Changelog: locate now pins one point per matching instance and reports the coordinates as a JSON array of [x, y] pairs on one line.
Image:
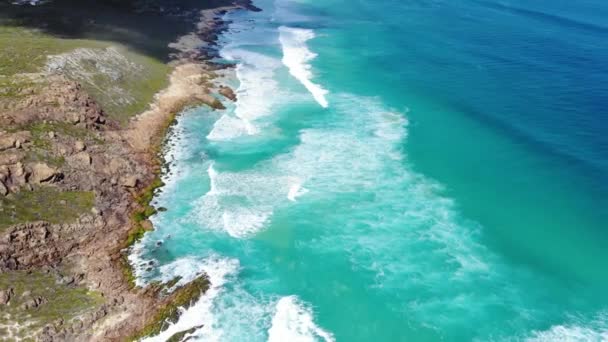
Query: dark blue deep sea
[[397, 170]]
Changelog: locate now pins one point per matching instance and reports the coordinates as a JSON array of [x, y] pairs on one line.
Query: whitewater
[[301, 203]]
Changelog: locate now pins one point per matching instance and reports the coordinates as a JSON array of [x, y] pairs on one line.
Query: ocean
[[413, 170]]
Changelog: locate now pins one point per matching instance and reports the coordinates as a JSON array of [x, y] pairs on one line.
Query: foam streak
[[297, 57]]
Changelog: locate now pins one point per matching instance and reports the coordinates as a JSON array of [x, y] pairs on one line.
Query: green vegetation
[[44, 204], [121, 81], [40, 133], [138, 228], [169, 312], [16, 87], [140, 85], [144, 198], [60, 301], [26, 50], [44, 156]]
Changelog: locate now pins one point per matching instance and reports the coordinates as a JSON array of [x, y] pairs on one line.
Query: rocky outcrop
[[42, 173], [227, 92], [52, 98], [14, 140], [39, 244]]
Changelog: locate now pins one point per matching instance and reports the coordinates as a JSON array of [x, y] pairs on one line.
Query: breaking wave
[[297, 57]]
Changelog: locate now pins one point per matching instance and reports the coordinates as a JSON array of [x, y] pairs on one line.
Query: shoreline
[[190, 85], [124, 174]]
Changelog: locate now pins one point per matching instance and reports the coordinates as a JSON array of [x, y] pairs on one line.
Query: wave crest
[[297, 57]]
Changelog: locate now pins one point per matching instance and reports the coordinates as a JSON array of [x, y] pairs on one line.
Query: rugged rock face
[[54, 134], [54, 98]]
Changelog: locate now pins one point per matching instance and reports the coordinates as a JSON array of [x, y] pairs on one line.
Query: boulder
[[129, 181], [17, 175], [80, 160], [10, 140], [3, 189], [147, 225], [6, 142], [228, 93], [6, 295], [43, 173], [33, 303], [79, 146], [10, 157]]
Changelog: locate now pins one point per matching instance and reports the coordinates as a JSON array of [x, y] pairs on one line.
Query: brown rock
[[228, 93], [3, 189], [79, 146], [147, 225], [10, 140], [43, 173], [4, 172], [10, 157], [6, 142], [129, 182], [6, 295]]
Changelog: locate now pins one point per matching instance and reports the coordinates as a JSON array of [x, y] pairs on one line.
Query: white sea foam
[[258, 93], [239, 203], [293, 321], [229, 127], [174, 153], [212, 180], [219, 270], [297, 57], [595, 330], [296, 190]]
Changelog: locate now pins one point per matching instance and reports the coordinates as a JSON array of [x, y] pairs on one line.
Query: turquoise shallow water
[[396, 171]]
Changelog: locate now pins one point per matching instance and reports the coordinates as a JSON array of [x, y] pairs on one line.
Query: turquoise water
[[396, 171]]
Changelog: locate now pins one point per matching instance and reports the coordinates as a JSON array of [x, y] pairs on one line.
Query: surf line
[[297, 57]]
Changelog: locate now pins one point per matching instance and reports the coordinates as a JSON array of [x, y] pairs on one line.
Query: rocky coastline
[[56, 140]]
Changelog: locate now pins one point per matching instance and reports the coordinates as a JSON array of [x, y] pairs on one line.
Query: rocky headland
[[77, 175]]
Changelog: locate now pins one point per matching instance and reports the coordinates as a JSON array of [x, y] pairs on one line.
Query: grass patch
[[43, 156], [40, 133], [122, 81], [17, 87], [63, 301], [26, 50], [137, 87], [44, 204]]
